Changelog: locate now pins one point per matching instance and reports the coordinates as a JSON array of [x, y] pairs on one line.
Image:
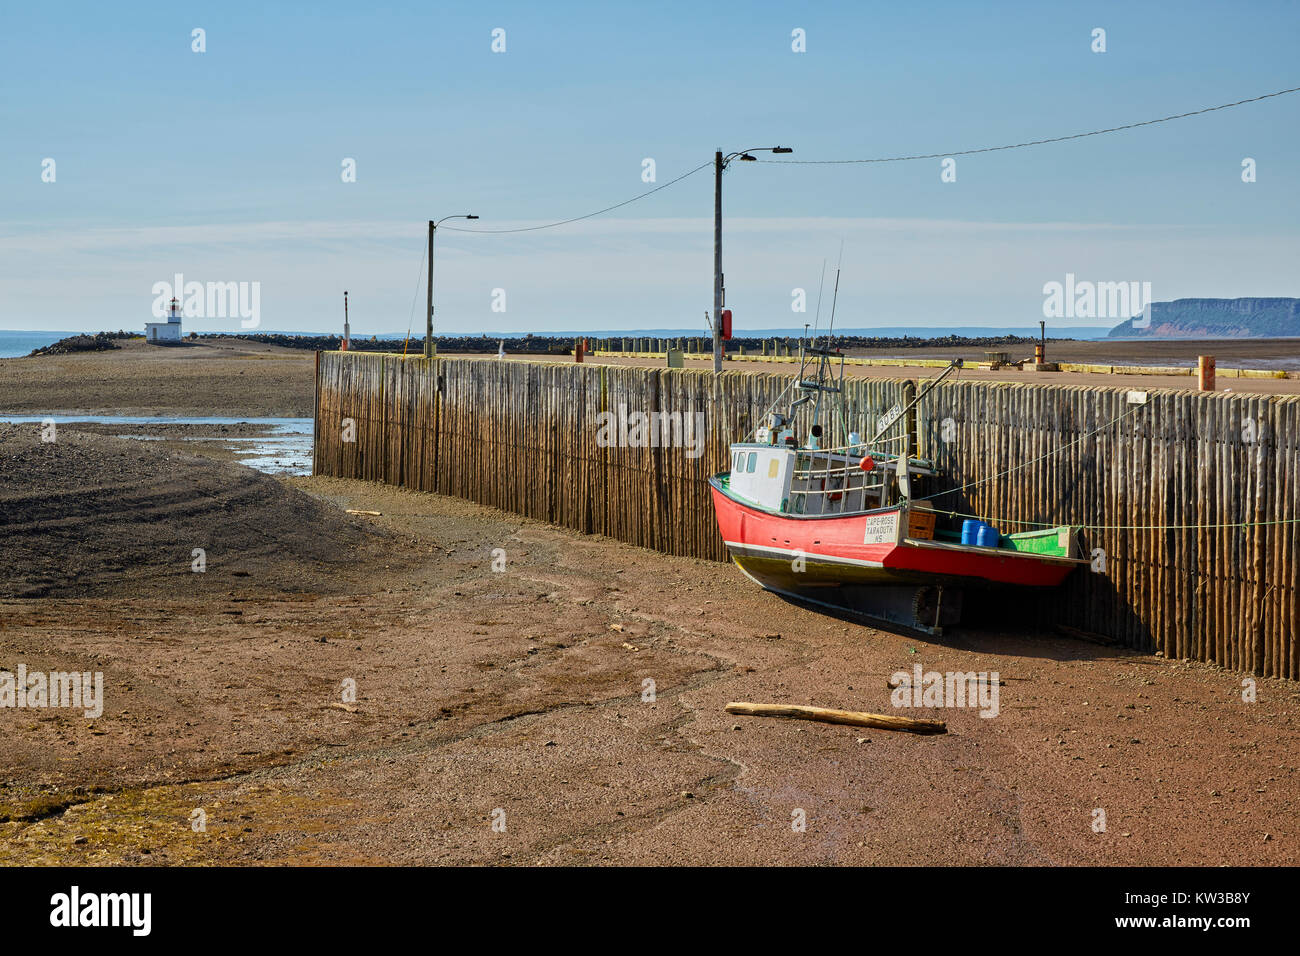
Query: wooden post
[[428, 315], [1205, 365], [315, 424]]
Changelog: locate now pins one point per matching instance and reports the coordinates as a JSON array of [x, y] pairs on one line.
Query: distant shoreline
[[21, 343], [226, 379], [242, 378]]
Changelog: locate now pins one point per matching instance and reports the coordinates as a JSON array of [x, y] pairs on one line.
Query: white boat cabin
[[805, 481], [782, 477]]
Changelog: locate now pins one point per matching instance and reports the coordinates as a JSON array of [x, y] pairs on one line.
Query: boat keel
[[927, 608]]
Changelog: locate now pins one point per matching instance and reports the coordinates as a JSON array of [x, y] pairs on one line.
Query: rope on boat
[[761, 418], [1026, 464], [1123, 527], [1093, 527], [1188, 527], [826, 451]]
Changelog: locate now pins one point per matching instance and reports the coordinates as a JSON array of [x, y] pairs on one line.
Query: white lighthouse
[[165, 333]]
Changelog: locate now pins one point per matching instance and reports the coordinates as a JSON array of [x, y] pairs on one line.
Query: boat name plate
[[881, 529]]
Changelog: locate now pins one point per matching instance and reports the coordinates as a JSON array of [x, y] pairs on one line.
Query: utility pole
[[428, 315], [717, 261], [719, 291], [429, 349]]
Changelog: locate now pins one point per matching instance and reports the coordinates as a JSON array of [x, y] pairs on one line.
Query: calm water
[[15, 344], [284, 450]]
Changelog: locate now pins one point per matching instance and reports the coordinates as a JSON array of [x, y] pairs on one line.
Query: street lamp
[[720, 163], [428, 317]]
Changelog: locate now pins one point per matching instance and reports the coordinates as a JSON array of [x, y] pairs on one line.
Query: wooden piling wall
[[1192, 499]]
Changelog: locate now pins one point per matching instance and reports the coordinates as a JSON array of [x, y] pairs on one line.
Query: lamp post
[[720, 162], [428, 316]]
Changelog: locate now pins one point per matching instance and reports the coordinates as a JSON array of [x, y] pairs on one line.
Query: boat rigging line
[[896, 414], [1126, 527], [836, 297], [822, 361], [821, 285], [1026, 464]]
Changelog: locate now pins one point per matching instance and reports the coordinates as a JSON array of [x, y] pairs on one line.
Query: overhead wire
[[1034, 142], [598, 212]]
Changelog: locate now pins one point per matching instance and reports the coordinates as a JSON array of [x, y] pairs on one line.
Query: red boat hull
[[802, 554]]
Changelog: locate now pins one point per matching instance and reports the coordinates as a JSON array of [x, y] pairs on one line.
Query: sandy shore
[[226, 378]]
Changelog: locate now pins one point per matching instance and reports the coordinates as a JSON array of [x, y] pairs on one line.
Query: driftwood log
[[829, 716]]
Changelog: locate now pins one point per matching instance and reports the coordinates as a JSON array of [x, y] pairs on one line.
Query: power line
[[884, 159], [565, 222], [1036, 142]]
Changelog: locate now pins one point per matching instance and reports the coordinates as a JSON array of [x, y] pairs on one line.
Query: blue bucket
[[987, 536], [969, 531]]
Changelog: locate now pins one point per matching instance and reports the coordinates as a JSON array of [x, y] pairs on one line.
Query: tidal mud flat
[[502, 716], [277, 446], [445, 683], [209, 378]]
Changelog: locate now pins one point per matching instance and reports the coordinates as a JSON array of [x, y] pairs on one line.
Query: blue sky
[[225, 165]]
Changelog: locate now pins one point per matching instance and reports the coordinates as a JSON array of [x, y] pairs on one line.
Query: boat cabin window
[[761, 475]]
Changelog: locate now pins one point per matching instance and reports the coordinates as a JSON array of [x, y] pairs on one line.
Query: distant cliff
[[1217, 318]]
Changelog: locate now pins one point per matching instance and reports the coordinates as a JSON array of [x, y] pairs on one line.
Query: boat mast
[[823, 361], [891, 417], [822, 356], [821, 284], [836, 297]]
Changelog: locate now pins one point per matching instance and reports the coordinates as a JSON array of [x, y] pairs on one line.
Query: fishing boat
[[851, 526]]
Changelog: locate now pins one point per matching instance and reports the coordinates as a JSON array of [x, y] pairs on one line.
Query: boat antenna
[[821, 284], [823, 355], [835, 298]]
